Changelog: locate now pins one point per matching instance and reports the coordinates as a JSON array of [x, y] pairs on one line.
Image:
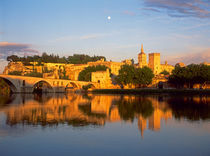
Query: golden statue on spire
[[142, 50]]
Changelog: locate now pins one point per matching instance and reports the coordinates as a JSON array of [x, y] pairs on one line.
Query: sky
[[178, 29]]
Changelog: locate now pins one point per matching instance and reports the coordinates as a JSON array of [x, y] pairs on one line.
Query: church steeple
[[142, 50], [142, 58]]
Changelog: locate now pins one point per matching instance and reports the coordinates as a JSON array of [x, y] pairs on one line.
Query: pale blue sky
[[65, 27]]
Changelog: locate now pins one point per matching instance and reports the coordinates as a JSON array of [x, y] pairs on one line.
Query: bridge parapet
[[24, 84]]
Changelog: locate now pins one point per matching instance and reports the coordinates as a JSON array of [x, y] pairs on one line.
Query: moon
[[109, 17]]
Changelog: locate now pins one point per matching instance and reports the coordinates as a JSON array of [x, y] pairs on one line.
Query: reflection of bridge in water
[[23, 84]]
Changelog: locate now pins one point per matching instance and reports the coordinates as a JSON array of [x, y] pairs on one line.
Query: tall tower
[[142, 58], [154, 62]]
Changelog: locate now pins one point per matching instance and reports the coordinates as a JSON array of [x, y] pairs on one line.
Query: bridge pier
[[27, 89]]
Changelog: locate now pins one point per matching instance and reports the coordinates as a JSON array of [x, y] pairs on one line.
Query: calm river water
[[75, 124]]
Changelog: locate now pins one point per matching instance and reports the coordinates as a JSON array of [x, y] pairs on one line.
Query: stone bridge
[[24, 84]]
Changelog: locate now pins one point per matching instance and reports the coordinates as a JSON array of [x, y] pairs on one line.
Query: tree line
[[75, 59], [190, 75]]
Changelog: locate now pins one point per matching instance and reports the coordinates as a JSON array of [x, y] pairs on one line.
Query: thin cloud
[[189, 58], [150, 9], [7, 49], [181, 8], [94, 36], [130, 13], [83, 37]]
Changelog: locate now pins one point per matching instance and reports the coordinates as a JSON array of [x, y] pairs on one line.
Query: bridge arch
[[42, 86], [70, 86], [13, 88], [92, 86]]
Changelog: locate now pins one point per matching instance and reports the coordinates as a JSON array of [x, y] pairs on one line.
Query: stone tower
[[142, 58], [154, 62]]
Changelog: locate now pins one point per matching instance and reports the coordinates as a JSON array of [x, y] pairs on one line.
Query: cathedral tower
[[142, 58]]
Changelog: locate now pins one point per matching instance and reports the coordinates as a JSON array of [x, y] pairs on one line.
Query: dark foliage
[[85, 75], [15, 73], [190, 75], [75, 59], [129, 75]]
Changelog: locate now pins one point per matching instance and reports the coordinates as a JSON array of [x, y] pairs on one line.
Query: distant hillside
[[75, 59]]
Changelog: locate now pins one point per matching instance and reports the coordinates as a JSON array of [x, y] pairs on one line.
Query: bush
[[34, 74], [15, 73], [165, 72], [85, 75]]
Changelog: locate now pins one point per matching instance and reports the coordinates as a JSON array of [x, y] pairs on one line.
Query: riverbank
[[153, 91]]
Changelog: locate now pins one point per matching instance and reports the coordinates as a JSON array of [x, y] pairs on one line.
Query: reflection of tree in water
[[128, 109], [81, 122], [192, 108]]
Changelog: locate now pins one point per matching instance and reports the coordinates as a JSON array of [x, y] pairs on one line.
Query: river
[[94, 124]]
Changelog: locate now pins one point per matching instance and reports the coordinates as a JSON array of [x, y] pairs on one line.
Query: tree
[[85, 75], [75, 59], [143, 76], [15, 73], [190, 75], [126, 75], [34, 74], [165, 72], [13, 58], [129, 75]]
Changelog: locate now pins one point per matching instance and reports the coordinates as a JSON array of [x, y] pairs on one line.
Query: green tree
[[129, 75], [34, 74], [15, 73], [165, 72], [75, 59], [126, 75], [143, 76], [85, 75], [13, 58], [190, 75]]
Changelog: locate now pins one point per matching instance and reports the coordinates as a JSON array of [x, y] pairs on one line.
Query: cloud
[[83, 37], [7, 49], [150, 9], [93, 36], [181, 8], [188, 58], [130, 13]]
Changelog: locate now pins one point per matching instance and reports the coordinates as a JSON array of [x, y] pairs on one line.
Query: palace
[[154, 62]]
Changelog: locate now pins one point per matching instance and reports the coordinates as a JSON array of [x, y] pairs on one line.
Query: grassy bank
[[152, 91]]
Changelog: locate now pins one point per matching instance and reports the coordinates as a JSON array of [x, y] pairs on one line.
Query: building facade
[[153, 63]]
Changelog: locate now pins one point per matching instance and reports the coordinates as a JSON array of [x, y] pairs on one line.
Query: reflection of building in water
[[77, 110], [154, 120], [142, 124], [103, 105], [161, 111], [54, 111]]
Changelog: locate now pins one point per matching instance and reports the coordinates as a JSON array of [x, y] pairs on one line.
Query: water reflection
[[95, 110]]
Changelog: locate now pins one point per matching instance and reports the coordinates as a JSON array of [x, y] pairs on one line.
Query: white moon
[[109, 17]]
